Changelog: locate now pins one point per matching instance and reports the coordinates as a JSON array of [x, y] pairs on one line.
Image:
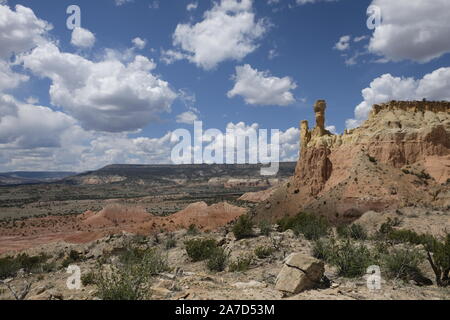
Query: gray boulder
[[300, 272]]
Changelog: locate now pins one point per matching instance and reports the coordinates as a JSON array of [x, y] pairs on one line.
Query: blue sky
[[288, 42]]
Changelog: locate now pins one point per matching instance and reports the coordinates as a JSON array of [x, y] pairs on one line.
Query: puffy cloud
[[76, 149], [57, 142], [115, 93], [288, 141], [433, 86], [8, 78], [118, 89], [260, 88], [139, 43], [28, 31], [343, 43], [171, 56], [187, 117], [82, 38], [412, 29], [289, 144], [228, 31], [108, 95], [19, 127]]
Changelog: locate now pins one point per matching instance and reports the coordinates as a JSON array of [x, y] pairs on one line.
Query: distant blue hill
[[30, 177]]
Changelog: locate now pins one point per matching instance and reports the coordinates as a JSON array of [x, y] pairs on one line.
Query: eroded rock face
[[300, 272], [399, 157], [315, 169]]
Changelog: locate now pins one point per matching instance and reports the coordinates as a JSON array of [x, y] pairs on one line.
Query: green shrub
[[323, 249], [151, 259], [72, 258], [35, 264], [408, 236], [351, 259], [437, 252], [438, 255], [139, 239], [154, 262], [243, 228], [192, 230], [386, 228], [286, 223], [88, 279], [122, 283], [200, 249], [131, 255], [311, 226], [264, 252], [129, 280], [217, 260], [403, 264], [241, 264], [170, 242], [423, 175], [354, 231], [265, 228], [381, 248]]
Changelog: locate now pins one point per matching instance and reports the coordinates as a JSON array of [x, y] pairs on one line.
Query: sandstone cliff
[[399, 157]]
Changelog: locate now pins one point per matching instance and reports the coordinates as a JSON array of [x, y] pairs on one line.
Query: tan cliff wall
[[398, 133], [412, 106], [342, 176]]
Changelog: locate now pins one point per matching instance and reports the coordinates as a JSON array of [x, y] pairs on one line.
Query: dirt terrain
[[192, 280], [113, 219]]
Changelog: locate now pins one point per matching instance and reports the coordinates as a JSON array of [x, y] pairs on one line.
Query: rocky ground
[[193, 280]]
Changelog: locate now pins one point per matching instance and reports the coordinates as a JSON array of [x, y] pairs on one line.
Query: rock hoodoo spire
[[319, 109], [305, 134]]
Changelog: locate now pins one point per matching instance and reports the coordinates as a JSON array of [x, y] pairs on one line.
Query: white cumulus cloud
[[415, 30], [82, 38], [433, 86], [260, 88], [19, 127], [20, 30], [108, 95], [228, 31], [139, 43]]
